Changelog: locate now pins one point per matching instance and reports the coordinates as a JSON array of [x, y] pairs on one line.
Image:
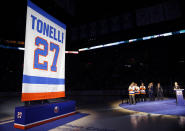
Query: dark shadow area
[[114, 68]]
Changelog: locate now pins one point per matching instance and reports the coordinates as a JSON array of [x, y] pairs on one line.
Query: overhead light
[[132, 40], [20, 48], [71, 52], [147, 37], [167, 34], [112, 44], [83, 49], [182, 31], [95, 47]]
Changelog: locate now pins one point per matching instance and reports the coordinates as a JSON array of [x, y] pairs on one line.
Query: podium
[[179, 97]]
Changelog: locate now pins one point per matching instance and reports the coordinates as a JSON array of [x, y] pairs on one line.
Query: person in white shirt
[[143, 92], [131, 90], [137, 92]]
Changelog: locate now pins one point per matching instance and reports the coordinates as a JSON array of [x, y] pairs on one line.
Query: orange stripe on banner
[[42, 96]]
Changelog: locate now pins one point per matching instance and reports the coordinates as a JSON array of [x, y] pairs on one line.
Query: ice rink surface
[[103, 114]]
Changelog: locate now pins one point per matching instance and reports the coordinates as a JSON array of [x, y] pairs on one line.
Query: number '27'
[[44, 52]]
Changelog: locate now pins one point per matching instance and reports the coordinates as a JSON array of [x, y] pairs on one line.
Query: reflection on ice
[[137, 119], [182, 121], [143, 119]]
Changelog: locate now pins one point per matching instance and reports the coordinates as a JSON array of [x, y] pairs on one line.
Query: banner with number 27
[[44, 57]]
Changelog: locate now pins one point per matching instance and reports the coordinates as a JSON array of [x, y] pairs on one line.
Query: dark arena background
[[98, 79]]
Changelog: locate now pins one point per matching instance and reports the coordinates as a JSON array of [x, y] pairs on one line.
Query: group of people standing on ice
[[140, 93]]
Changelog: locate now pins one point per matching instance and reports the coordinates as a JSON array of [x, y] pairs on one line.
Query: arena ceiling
[[72, 12]]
